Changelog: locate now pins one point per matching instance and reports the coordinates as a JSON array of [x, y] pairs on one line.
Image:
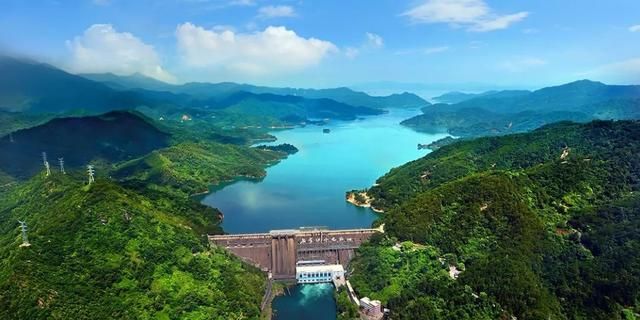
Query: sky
[[456, 44]]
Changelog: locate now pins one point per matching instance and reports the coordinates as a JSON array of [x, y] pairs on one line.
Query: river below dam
[[308, 189]]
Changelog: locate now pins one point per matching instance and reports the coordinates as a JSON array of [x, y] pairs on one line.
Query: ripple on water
[[308, 302]]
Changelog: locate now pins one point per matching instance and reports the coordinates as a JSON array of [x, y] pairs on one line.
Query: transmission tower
[[46, 166], [61, 163], [25, 240], [91, 173], [44, 157]]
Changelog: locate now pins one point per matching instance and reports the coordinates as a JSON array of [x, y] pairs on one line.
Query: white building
[[319, 273]]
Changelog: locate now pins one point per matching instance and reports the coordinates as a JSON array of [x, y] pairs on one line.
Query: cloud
[[624, 72], [635, 28], [274, 50], [523, 64], [427, 50], [270, 12], [474, 15], [351, 52], [433, 50], [103, 49], [374, 40]]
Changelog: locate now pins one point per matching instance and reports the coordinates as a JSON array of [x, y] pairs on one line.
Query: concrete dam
[[279, 251]]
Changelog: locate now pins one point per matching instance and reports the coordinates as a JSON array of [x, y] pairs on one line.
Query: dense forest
[[100, 251], [536, 226]]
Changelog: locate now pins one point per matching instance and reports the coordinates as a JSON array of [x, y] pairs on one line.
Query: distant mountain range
[[212, 90], [503, 112], [35, 88]]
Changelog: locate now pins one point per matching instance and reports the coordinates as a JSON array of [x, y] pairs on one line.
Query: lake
[[308, 188]]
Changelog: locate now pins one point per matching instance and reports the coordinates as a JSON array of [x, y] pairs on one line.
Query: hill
[[533, 226], [39, 88], [103, 252], [457, 97], [111, 137], [190, 167], [505, 112]]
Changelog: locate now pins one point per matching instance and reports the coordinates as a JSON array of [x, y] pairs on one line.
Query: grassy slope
[[192, 167], [511, 214], [105, 252]]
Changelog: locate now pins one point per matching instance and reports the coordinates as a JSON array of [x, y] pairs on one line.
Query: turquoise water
[[308, 188], [308, 302]]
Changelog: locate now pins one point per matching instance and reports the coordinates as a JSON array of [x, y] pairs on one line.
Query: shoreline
[[351, 198]]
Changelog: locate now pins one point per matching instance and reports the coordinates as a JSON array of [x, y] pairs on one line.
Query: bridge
[[279, 251]]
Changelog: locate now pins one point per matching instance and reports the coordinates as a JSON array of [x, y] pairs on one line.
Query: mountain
[[289, 106], [134, 81], [105, 252], [202, 90], [512, 111], [111, 137], [539, 225], [567, 97], [457, 96], [40, 88]]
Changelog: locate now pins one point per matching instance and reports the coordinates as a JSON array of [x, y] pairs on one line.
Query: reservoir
[[308, 188]]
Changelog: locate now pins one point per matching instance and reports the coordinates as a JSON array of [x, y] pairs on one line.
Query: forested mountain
[[39, 88], [534, 226], [505, 112], [105, 252], [111, 137]]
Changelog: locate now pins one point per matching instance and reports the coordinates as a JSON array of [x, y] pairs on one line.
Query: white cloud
[[635, 28], [523, 64], [374, 40], [269, 12], [623, 72], [351, 52], [274, 50], [433, 50], [103, 49], [474, 15], [242, 3]]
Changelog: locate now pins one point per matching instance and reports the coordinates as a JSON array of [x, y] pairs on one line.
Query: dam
[[278, 252]]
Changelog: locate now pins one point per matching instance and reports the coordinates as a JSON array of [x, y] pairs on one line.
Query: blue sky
[[472, 44]]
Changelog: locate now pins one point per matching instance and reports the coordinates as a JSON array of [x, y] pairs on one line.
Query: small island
[[285, 147], [326, 130]]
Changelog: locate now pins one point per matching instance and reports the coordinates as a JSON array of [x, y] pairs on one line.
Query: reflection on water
[[308, 188], [309, 302]]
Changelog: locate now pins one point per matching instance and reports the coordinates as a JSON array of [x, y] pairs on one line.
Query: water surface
[[308, 302], [308, 188]]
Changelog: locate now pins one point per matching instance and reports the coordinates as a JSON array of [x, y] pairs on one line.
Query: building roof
[[322, 268]]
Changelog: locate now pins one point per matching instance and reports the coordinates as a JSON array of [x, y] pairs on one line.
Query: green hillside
[[102, 252], [191, 168], [538, 224], [112, 137]]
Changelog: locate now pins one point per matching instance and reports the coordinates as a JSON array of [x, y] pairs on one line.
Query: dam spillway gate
[[279, 251]]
